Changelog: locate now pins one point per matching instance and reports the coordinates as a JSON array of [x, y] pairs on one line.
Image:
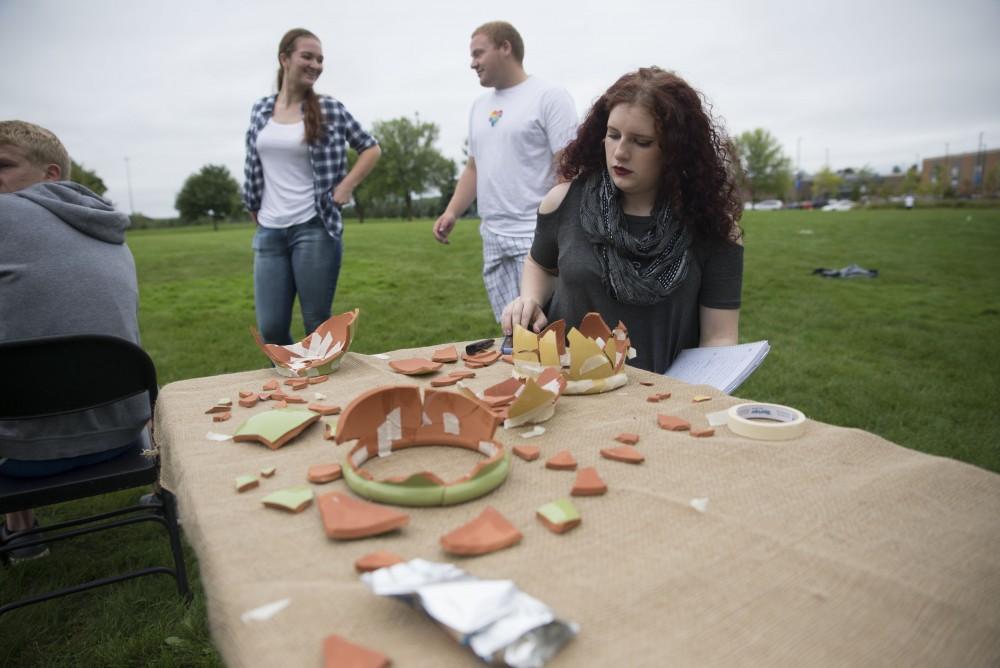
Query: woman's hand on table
[[525, 312]]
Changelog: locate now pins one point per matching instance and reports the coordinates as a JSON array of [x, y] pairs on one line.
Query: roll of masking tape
[[766, 422]]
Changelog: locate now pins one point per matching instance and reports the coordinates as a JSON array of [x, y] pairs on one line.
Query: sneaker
[[19, 554]]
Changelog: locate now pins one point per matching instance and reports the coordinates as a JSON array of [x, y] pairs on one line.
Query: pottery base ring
[[425, 488]]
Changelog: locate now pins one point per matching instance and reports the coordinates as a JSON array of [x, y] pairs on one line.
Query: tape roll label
[[768, 422]]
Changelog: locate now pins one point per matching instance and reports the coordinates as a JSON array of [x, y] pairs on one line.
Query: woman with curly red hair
[[644, 230]]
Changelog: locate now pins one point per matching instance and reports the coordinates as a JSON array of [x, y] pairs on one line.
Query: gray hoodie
[[65, 269]]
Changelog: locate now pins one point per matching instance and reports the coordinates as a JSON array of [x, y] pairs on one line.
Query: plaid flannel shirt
[[328, 157]]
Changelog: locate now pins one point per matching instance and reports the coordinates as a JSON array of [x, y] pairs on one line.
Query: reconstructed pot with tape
[[392, 418]]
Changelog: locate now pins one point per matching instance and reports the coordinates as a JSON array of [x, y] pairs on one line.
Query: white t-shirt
[[288, 177], [514, 133]]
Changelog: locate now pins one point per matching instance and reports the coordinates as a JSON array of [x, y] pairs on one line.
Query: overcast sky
[[170, 84]]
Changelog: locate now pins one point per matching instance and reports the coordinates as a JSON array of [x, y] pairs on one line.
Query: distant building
[[964, 173]]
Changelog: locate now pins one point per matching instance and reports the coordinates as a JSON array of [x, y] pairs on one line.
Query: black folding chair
[[55, 376]]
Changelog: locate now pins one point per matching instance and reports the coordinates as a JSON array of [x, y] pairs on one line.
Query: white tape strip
[[766, 422], [390, 431], [451, 424]]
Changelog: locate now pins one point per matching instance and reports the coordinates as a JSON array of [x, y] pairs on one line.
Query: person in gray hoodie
[[64, 269]]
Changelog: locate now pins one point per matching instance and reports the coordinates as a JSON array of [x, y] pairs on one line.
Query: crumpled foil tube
[[500, 623]]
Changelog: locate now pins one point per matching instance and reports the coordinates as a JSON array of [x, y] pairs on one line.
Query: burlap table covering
[[838, 548]]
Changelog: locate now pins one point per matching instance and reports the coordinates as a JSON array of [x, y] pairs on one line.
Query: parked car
[[839, 205], [768, 205]]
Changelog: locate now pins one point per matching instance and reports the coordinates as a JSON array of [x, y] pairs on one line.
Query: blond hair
[[499, 32], [41, 147]]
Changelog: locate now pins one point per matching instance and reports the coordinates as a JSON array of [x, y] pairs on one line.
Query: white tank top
[[288, 179]]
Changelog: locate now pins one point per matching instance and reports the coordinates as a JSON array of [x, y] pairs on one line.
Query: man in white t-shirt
[[515, 133]]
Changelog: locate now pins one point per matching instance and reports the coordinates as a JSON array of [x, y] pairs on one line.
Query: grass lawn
[[909, 355]]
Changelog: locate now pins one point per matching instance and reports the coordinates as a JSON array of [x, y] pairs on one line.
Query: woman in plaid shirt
[[296, 182]]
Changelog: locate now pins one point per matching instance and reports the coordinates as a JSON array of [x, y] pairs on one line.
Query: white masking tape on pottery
[[766, 422]]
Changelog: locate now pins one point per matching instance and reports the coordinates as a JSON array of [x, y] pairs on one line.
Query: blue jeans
[[301, 259]]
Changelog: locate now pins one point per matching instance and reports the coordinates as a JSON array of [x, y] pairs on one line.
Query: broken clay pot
[[488, 532]]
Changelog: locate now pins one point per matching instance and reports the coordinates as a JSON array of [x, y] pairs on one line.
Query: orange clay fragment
[[463, 374], [323, 473], [280, 404], [672, 423], [509, 359], [445, 381], [324, 409], [628, 438], [702, 433], [315, 380], [221, 417], [653, 398], [295, 399], [623, 453], [588, 483], [376, 560], [445, 355], [528, 453], [414, 366], [270, 385], [488, 532], [647, 383], [561, 461], [339, 653], [249, 402], [345, 517], [246, 393]]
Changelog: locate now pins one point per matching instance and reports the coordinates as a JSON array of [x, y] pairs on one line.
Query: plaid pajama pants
[[503, 262]]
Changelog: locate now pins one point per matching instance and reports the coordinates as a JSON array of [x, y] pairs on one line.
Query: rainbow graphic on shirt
[[495, 116]]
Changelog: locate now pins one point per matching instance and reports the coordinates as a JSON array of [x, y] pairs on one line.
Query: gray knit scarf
[[639, 271]]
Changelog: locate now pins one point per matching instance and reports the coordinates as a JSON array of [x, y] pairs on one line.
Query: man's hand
[[443, 227], [525, 312]]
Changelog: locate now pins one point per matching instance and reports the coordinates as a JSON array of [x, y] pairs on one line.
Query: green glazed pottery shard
[[559, 516], [292, 499], [245, 482], [275, 428]]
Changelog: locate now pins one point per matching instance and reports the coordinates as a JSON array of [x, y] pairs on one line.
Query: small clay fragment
[[221, 417], [462, 374], [345, 517], [528, 453], [323, 473], [623, 453], [222, 406], [628, 438], [280, 404], [292, 500], [485, 358], [509, 359], [246, 393], [278, 395], [268, 472], [588, 483], [294, 399], [339, 653], [245, 482], [698, 398], [559, 516], [445, 381], [647, 383], [653, 398], [315, 380], [672, 423], [324, 409], [250, 401], [264, 396], [703, 433], [414, 366], [376, 560], [270, 385], [488, 532], [561, 461], [445, 355]]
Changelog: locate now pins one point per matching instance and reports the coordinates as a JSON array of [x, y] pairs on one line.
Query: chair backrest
[[58, 375]]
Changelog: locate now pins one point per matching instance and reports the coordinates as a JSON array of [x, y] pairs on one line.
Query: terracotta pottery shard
[[672, 423], [293, 499], [414, 366], [339, 653], [221, 417], [528, 453], [278, 395], [270, 385], [280, 404], [561, 461], [245, 482], [346, 518], [653, 398], [445, 355], [588, 483], [702, 433], [275, 428], [623, 453], [559, 516], [488, 532], [324, 409], [220, 408], [463, 374], [376, 560], [663, 395], [249, 402], [323, 473], [474, 365], [268, 472], [509, 359], [246, 393], [485, 358], [265, 396], [647, 383], [445, 381], [295, 399], [628, 438], [316, 380]]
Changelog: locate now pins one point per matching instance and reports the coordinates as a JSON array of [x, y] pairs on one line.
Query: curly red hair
[[698, 164]]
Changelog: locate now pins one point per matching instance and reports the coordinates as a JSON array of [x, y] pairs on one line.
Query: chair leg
[[180, 570]]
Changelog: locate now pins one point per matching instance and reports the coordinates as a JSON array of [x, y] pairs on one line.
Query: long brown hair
[[312, 114], [698, 162]]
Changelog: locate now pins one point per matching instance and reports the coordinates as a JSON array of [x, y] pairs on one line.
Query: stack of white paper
[[724, 368]]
